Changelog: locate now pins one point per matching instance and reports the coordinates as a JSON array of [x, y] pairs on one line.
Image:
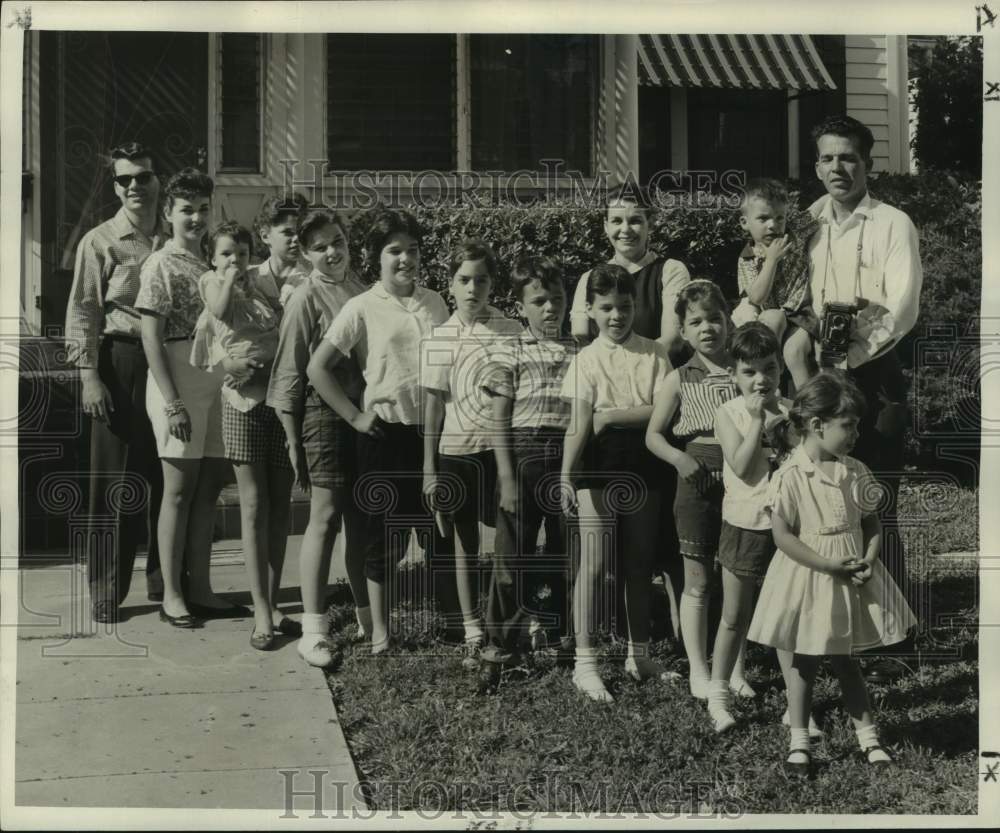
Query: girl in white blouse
[[611, 385]]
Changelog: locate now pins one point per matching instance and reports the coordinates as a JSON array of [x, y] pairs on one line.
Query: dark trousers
[[883, 454], [519, 572], [389, 491], [126, 481]]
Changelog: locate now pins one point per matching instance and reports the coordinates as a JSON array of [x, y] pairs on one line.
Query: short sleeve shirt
[[611, 376], [455, 361], [531, 371], [387, 332], [168, 287]]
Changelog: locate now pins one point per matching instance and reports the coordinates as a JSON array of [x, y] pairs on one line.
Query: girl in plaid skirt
[[240, 319]]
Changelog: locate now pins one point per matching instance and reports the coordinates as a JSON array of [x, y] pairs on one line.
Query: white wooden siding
[[869, 99]]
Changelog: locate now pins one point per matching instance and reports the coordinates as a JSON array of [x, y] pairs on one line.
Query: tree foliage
[[947, 92]]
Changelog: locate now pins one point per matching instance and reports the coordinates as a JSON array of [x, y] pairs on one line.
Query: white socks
[[640, 666], [868, 738], [737, 680], [364, 617], [814, 731], [694, 632], [312, 645], [799, 742], [587, 679], [474, 632], [718, 705]]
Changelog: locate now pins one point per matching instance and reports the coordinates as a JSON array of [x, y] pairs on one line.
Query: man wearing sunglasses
[[103, 341]]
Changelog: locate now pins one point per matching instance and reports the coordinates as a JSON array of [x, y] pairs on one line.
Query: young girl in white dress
[[826, 594]]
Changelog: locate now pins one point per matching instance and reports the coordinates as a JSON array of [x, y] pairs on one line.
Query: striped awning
[[753, 62]]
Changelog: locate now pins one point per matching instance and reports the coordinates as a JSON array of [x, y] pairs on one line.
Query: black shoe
[[186, 621], [289, 627], [155, 595], [488, 678], [105, 613], [877, 763], [883, 672], [231, 611]]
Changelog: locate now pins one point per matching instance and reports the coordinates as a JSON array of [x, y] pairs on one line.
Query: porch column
[[625, 150]]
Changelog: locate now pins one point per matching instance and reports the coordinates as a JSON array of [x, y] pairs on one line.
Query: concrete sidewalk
[[145, 715]]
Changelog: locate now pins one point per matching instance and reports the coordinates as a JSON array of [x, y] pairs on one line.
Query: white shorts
[[201, 393]]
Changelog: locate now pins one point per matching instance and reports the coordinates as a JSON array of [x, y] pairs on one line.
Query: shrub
[[947, 95], [705, 235]]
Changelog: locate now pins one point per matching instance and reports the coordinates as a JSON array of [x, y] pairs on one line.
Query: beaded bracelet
[[174, 408]]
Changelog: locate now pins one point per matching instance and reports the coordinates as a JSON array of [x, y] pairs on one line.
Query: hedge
[[705, 234]]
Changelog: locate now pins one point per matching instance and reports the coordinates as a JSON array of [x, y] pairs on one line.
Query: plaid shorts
[[329, 444], [254, 436]]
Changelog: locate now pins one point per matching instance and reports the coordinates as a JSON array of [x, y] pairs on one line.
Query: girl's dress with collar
[[813, 613]]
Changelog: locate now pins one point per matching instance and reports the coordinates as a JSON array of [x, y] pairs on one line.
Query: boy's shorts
[[470, 486], [254, 436], [745, 552], [329, 444]]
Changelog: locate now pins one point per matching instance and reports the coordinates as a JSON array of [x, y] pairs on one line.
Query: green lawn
[[422, 739]]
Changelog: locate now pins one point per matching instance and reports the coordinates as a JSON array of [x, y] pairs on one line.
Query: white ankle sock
[[867, 738], [586, 677], [315, 628], [718, 705], [799, 740], [364, 617], [473, 630]]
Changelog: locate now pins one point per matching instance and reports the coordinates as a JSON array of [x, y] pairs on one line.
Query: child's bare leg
[[252, 481], [180, 478], [798, 355], [855, 696], [280, 479], [596, 540], [737, 601], [799, 672], [694, 621], [775, 321], [325, 511], [467, 555]]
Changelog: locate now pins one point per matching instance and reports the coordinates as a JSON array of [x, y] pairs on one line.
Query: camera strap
[[829, 267]]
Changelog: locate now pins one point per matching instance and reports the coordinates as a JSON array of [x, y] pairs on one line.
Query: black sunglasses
[[143, 178]]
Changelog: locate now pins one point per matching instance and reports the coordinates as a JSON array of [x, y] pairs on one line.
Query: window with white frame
[[392, 101], [241, 80]]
